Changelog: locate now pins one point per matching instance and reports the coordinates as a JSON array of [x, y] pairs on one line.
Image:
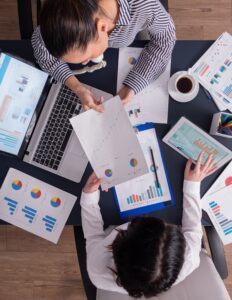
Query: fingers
[[85, 107], [96, 181], [101, 100], [125, 101], [211, 171], [208, 164], [93, 176], [96, 107], [188, 166], [199, 159]]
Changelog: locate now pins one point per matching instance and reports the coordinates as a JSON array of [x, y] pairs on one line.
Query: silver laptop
[[34, 119]]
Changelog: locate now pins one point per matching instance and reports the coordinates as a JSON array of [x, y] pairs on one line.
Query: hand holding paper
[[110, 144]]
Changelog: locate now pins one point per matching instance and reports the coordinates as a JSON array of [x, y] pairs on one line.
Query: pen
[[153, 161], [209, 96]]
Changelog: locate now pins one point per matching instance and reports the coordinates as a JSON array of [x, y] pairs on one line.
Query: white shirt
[[99, 258]]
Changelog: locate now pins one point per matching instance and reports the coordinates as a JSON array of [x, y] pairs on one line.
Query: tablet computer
[[189, 140]]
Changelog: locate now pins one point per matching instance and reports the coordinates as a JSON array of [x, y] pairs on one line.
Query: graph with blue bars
[[49, 223], [29, 213], [223, 222], [12, 204], [228, 91], [153, 191]]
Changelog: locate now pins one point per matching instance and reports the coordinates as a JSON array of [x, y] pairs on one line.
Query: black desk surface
[[199, 111]]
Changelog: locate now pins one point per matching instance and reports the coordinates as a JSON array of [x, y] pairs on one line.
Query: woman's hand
[[85, 95], [88, 99], [199, 172], [92, 184], [126, 94]]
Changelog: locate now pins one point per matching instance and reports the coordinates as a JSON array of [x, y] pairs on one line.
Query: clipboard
[[152, 207]]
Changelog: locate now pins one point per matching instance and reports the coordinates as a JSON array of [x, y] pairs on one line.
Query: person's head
[[148, 256], [74, 30]]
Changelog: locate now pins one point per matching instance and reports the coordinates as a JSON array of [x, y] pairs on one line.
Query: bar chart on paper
[[152, 192], [135, 113], [12, 205], [224, 222], [218, 205], [151, 188], [214, 68], [228, 91]]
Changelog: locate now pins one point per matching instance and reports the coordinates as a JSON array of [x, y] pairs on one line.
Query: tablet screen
[[189, 140]]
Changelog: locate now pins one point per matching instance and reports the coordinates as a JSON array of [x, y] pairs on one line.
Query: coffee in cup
[[184, 84]]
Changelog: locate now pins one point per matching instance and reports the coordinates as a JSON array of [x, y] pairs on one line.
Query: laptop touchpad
[[74, 161]]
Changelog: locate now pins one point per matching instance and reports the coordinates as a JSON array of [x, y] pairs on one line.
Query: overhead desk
[[199, 111]]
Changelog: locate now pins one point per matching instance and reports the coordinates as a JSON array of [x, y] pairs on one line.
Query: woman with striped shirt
[[76, 31]]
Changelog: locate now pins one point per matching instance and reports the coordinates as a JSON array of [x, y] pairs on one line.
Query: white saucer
[[179, 96]]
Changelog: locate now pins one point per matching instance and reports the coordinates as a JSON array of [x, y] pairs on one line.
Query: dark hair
[[148, 256], [68, 24]]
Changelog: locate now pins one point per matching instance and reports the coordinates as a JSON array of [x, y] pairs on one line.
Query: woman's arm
[[157, 53], [192, 213], [59, 70], [191, 228], [92, 222], [91, 217]]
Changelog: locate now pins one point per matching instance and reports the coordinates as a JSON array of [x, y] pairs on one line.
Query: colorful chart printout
[[34, 205], [145, 190]]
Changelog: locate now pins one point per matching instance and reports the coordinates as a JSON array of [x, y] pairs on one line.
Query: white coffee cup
[[183, 86]]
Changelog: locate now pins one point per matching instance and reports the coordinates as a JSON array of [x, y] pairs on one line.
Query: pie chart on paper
[[35, 193], [55, 202], [16, 185], [132, 60], [228, 180]]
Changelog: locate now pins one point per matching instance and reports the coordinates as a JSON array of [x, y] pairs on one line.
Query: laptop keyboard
[[58, 129]]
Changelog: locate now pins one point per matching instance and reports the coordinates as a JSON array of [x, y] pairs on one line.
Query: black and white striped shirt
[[134, 16]]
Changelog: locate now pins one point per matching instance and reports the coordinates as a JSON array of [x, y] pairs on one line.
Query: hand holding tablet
[[189, 140]]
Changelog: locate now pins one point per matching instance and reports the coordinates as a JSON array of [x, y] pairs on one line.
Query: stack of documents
[[148, 192], [217, 203], [214, 71]]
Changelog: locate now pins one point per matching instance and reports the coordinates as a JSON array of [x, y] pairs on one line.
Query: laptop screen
[[21, 86]]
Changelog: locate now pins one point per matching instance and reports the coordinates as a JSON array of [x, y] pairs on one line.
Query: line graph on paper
[[110, 143]]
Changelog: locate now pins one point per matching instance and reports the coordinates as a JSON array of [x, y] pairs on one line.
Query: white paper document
[[217, 203], [34, 205], [223, 181], [219, 208], [151, 104], [214, 70], [110, 143], [145, 190]]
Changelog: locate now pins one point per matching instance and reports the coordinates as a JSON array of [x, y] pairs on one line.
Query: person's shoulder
[[144, 7], [145, 3]]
